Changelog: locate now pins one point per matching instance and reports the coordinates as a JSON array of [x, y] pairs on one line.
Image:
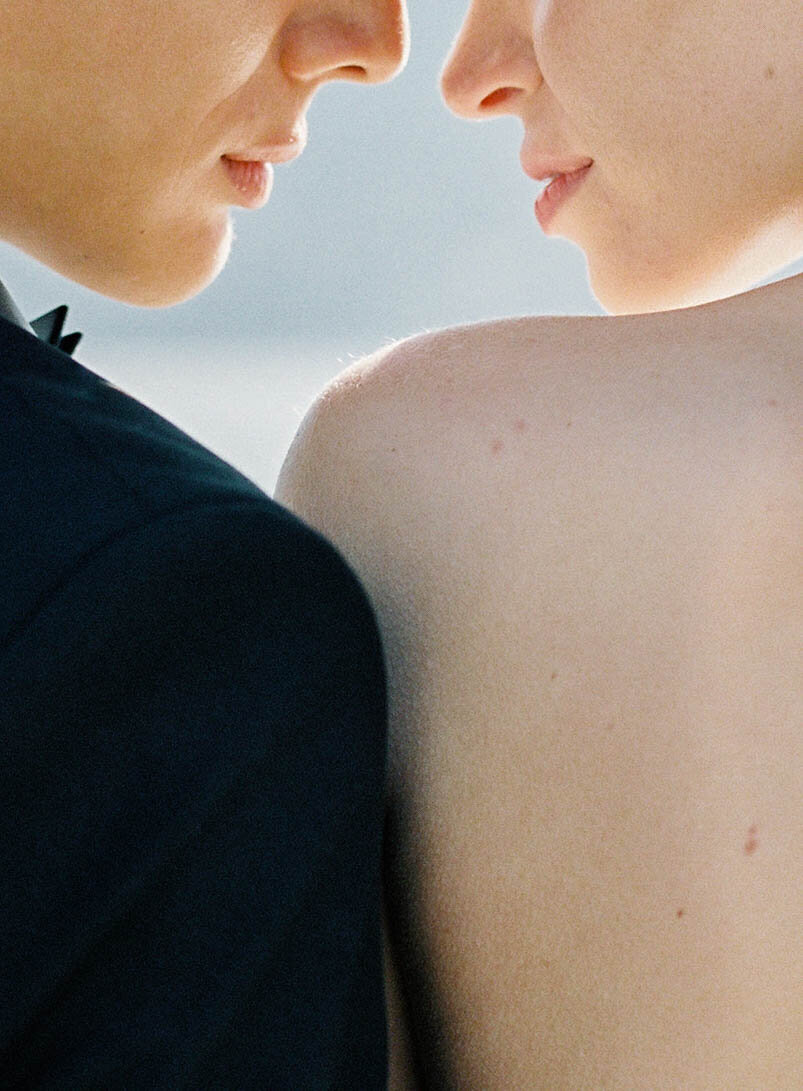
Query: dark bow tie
[[48, 328]]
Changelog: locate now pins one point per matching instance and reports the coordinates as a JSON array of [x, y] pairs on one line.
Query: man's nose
[[362, 40], [490, 70]]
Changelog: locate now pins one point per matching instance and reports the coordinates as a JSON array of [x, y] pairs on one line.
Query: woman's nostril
[[496, 98]]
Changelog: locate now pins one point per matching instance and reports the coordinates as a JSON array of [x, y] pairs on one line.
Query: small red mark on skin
[[520, 425], [554, 675], [751, 844], [773, 402], [610, 726], [680, 913], [497, 447]]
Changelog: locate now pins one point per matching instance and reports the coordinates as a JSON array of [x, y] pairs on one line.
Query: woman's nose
[[490, 70], [362, 40]]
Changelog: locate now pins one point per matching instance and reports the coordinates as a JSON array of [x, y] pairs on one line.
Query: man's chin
[[153, 276], [186, 268]]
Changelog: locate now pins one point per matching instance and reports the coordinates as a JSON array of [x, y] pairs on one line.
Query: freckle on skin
[[773, 402], [769, 72], [568, 424], [520, 425], [554, 675], [751, 844], [497, 446]]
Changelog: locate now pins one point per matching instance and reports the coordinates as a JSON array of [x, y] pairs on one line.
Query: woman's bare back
[[582, 537]]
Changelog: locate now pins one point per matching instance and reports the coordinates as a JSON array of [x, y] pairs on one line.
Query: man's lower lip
[[251, 180], [558, 191]]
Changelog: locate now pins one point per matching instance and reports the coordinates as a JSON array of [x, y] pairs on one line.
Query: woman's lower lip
[[558, 191], [252, 181]]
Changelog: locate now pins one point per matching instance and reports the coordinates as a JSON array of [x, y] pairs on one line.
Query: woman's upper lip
[[540, 166]]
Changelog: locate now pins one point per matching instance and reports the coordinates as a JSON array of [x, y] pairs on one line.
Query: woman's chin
[[650, 291], [674, 273]]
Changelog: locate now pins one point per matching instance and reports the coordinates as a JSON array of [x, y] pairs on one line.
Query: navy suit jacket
[[192, 754]]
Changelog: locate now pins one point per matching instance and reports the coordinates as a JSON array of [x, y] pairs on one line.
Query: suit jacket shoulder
[[82, 465], [192, 755]]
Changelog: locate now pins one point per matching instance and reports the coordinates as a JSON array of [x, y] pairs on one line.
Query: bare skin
[[115, 118], [582, 538]]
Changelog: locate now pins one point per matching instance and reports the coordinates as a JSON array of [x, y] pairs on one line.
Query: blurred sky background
[[399, 217]]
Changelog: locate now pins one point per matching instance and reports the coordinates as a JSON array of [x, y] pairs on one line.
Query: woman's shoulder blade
[[581, 540]]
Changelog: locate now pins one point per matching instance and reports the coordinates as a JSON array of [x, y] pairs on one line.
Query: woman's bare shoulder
[[426, 405], [508, 487], [434, 426], [581, 537]]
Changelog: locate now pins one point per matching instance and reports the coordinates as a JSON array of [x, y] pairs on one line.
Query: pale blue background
[[398, 217]]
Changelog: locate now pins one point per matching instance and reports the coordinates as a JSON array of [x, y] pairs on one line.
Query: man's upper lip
[[278, 148], [539, 167]]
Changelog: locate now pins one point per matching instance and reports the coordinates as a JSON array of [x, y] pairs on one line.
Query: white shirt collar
[[10, 311]]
